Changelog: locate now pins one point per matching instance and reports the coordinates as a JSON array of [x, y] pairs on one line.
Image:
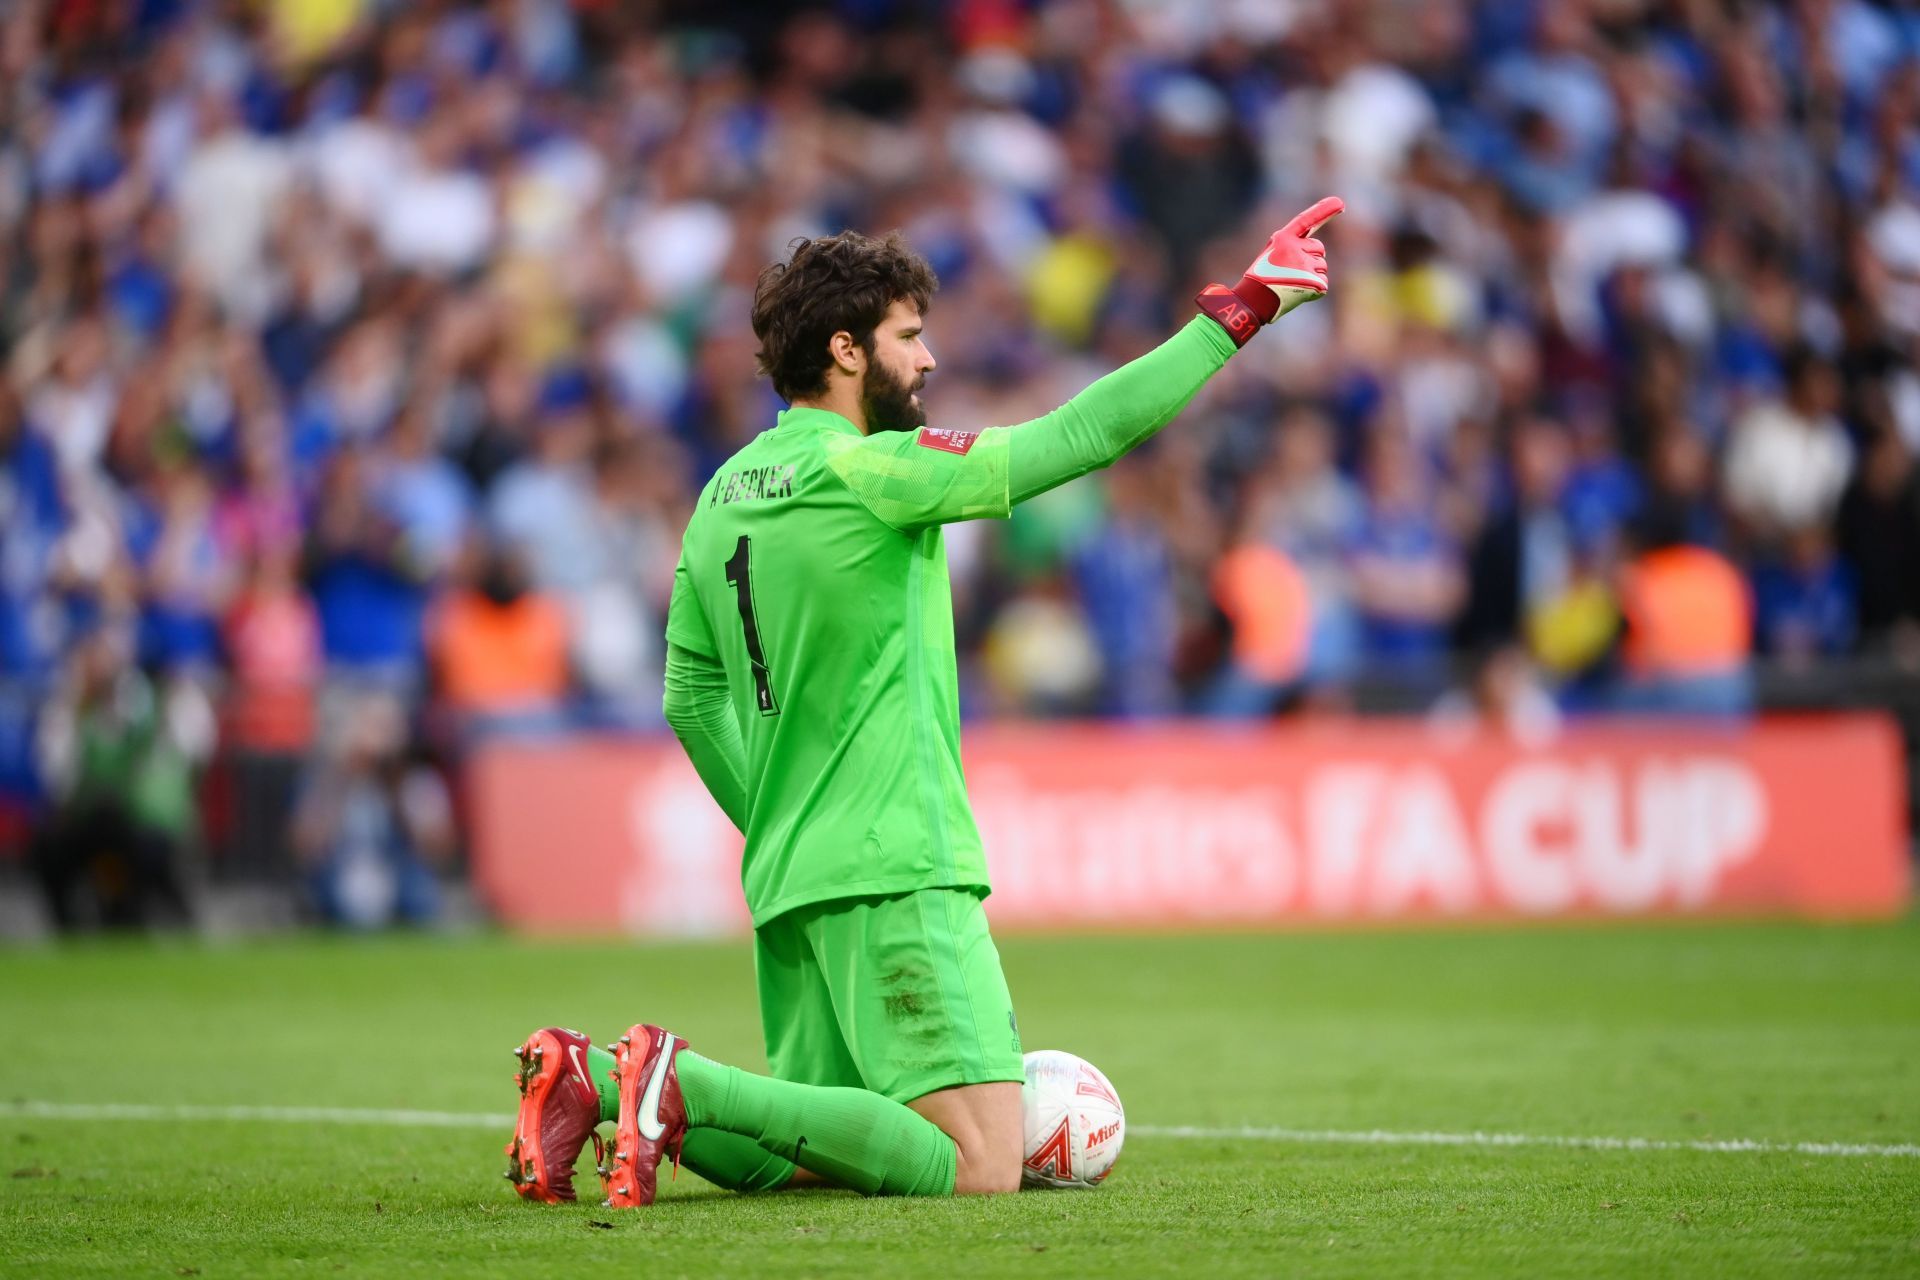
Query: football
[[1074, 1122]]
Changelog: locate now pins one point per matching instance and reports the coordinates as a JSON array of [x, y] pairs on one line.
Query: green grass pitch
[[1782, 1033]]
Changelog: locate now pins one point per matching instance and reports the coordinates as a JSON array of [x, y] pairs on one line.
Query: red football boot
[[558, 1109], [653, 1115]]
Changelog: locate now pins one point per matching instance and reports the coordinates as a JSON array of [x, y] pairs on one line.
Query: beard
[[887, 402]]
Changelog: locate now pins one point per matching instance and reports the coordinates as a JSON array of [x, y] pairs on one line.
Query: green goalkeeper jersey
[[814, 570], [813, 573]]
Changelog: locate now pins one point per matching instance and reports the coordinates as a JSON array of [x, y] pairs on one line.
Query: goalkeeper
[[811, 677]]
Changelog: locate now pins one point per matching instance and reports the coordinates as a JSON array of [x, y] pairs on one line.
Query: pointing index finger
[[1312, 219]]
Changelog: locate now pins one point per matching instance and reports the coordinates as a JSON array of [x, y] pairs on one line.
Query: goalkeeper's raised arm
[[1119, 411], [912, 476]]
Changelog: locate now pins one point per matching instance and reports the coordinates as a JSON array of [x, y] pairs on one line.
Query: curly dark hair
[[831, 283]]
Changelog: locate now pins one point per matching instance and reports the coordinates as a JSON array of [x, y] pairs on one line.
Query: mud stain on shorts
[[905, 1000]]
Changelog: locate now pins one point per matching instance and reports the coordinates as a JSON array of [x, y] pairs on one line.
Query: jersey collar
[[819, 419]]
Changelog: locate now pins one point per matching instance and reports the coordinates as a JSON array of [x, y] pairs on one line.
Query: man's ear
[[849, 357]]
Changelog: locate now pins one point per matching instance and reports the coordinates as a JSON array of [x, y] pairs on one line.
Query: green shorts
[[902, 995]]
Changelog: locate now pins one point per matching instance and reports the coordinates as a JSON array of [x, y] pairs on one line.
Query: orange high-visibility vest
[[490, 658], [1688, 613], [1265, 597]]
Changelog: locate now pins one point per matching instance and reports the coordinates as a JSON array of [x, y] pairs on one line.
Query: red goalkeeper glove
[[1292, 270]]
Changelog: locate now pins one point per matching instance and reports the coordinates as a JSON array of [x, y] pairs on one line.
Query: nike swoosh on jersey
[[651, 1126]]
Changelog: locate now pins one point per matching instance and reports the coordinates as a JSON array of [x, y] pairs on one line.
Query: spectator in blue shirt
[[370, 601], [1124, 574], [32, 513], [1805, 601], [1407, 574]]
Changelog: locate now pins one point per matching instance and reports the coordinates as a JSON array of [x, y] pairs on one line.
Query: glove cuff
[[1259, 295], [1233, 311]]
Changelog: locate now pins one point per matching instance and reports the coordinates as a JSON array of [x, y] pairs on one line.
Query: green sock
[[725, 1159], [853, 1137], [734, 1163], [605, 1070]]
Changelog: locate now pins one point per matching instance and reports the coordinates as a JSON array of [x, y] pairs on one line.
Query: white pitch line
[[269, 1115], [1385, 1138], [1363, 1137]]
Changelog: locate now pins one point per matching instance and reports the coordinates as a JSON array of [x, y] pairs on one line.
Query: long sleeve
[[700, 710], [1115, 414], [912, 479]]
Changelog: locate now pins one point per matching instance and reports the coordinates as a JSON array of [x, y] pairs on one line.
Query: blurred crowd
[[362, 357]]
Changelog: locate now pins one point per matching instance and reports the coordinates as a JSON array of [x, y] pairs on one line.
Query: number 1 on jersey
[[740, 578]]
